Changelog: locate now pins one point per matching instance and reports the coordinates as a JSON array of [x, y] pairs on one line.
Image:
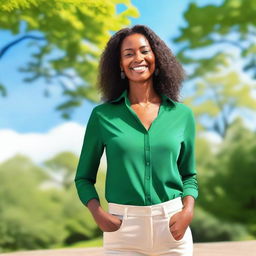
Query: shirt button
[[147, 177], [147, 148], [147, 163]]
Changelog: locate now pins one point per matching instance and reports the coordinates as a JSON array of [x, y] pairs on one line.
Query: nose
[[138, 57]]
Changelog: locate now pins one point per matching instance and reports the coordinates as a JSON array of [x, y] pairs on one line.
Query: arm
[[180, 221], [186, 161], [86, 173], [89, 160], [188, 204], [186, 164]]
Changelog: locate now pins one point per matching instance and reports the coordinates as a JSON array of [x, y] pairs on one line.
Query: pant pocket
[[131, 234], [118, 216], [169, 231], [121, 217]]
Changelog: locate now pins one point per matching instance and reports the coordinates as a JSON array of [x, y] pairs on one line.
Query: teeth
[[139, 68]]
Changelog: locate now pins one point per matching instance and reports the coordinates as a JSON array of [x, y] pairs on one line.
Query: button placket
[[147, 148], [147, 168]]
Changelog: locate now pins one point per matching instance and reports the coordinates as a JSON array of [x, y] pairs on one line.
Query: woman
[[151, 183]]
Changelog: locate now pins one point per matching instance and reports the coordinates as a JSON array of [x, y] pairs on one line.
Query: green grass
[[97, 242]]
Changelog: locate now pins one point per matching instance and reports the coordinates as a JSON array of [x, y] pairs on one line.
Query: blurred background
[[49, 53]]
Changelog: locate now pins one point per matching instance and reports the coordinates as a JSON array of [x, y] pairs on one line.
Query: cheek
[[125, 64], [151, 60]]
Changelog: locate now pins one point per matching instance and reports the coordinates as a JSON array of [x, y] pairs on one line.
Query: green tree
[[220, 95], [67, 39], [61, 168], [78, 221], [30, 217], [209, 228], [214, 38], [35, 213], [229, 190]]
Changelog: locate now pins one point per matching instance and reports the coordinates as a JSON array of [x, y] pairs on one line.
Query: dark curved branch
[[11, 44]]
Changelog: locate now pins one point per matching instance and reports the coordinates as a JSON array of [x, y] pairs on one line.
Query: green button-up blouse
[[144, 167]]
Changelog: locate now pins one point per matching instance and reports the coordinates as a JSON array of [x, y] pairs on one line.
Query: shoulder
[[103, 109], [185, 109], [187, 113]]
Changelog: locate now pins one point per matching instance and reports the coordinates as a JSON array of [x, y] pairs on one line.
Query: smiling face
[[137, 58]]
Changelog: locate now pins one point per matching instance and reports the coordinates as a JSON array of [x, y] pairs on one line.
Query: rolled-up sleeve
[[186, 160], [89, 160]]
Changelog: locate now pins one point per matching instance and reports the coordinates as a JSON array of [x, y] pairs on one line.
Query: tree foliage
[[36, 212], [61, 168], [229, 190], [30, 219], [232, 23], [218, 96], [207, 227], [67, 38], [215, 39]]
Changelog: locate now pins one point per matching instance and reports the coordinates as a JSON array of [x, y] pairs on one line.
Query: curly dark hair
[[170, 76]]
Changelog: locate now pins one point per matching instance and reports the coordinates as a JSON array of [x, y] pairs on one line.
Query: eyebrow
[[143, 46]]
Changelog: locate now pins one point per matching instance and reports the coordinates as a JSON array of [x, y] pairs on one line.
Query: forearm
[[188, 203], [94, 207]]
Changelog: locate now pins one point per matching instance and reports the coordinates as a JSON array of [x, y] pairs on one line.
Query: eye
[[130, 54]]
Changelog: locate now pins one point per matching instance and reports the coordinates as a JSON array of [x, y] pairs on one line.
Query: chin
[[143, 78], [139, 80]]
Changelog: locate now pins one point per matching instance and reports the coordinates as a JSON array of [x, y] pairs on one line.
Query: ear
[[121, 66]]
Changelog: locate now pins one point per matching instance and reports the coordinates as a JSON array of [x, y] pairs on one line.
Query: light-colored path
[[245, 248]]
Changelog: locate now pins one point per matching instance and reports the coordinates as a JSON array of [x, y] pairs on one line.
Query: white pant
[[145, 231]]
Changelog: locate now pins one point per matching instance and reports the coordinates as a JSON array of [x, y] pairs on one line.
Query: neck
[[142, 93]]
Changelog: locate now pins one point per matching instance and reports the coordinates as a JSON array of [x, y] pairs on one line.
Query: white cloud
[[43, 146]]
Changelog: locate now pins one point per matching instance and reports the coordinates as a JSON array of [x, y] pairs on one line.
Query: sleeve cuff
[[190, 192], [86, 192]]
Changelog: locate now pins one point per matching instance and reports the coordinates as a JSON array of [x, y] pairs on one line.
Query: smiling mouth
[[139, 69]]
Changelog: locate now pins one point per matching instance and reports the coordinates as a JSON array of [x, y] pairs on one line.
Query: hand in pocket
[[117, 221], [178, 224], [107, 222]]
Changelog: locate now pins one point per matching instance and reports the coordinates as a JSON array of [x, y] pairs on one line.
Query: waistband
[[150, 210]]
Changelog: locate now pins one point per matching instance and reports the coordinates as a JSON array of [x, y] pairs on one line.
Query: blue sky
[[27, 110]]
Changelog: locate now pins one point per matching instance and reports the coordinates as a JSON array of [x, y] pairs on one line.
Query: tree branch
[[11, 44]]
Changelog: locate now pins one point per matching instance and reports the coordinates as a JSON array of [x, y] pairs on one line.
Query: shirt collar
[[124, 95]]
